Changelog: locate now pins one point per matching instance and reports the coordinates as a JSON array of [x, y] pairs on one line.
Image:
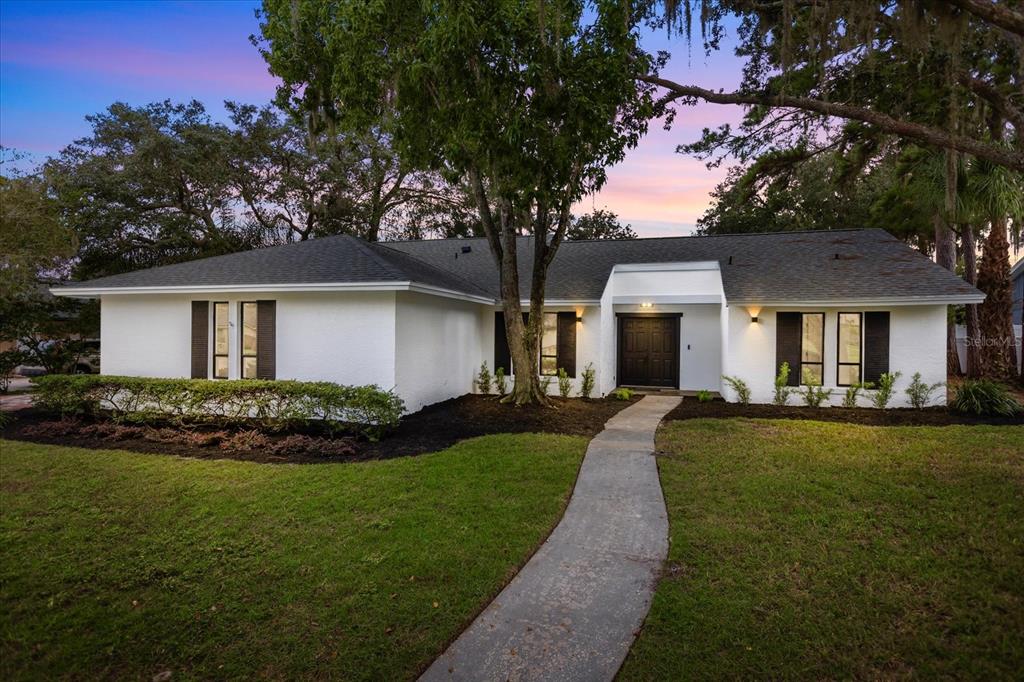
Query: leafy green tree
[[34, 241], [527, 103], [164, 183], [600, 224]]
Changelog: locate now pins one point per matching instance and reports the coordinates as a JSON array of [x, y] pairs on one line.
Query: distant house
[[421, 316]]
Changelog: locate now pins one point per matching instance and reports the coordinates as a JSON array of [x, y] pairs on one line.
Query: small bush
[[500, 381], [883, 394], [741, 389], [813, 394], [366, 410], [564, 383], [704, 396], [9, 361], [853, 392], [984, 397], [782, 388], [483, 380], [919, 393], [545, 384], [587, 380], [622, 393]]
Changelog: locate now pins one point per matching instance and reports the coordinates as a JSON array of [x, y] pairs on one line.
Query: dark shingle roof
[[329, 260], [790, 266], [782, 266]]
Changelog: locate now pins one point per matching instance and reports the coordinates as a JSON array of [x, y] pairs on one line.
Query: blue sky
[[61, 61]]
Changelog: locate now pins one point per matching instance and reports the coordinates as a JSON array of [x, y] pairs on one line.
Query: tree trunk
[[996, 312], [945, 255], [975, 358]]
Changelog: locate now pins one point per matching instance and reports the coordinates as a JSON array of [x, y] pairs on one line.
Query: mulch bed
[[433, 428], [691, 408]]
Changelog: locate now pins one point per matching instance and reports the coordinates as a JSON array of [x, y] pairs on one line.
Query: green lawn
[[118, 564], [813, 550]]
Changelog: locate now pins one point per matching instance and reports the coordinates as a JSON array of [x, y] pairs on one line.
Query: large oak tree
[[528, 102]]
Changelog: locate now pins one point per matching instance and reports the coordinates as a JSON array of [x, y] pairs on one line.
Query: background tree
[[164, 183], [600, 224], [525, 102]]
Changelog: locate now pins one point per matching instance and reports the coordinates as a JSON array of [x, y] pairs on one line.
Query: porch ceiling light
[[754, 311], [646, 304]]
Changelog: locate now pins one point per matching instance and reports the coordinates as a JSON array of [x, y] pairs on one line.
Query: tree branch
[[995, 13], [928, 134]]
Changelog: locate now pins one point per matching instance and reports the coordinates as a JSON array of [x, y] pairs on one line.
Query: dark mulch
[[691, 408], [433, 428]]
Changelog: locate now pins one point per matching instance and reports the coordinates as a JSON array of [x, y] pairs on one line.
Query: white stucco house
[[421, 316]]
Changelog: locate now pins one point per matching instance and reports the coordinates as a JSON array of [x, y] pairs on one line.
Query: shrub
[[622, 393], [564, 383], [814, 395], [919, 393], [741, 389], [883, 394], [703, 396], [782, 388], [587, 380], [483, 380], [853, 392], [9, 360], [986, 398], [366, 410], [545, 384], [500, 381]]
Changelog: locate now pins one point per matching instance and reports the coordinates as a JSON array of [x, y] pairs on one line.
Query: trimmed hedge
[[366, 410]]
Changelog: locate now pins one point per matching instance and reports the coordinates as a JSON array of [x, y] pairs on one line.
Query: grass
[[119, 564], [830, 551]]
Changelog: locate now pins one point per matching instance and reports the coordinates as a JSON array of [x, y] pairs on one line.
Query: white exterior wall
[[343, 337], [917, 343], [439, 347], [147, 335]]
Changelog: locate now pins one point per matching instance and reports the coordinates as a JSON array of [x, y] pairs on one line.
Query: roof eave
[[96, 292], [886, 301]]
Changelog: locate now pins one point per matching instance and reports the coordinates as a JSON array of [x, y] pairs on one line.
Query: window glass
[[849, 349], [812, 342], [249, 320], [220, 340], [549, 345]]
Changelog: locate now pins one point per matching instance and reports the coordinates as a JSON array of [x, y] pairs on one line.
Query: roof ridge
[[366, 247], [646, 239]]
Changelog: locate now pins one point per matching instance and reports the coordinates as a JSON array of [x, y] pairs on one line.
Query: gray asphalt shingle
[[789, 266]]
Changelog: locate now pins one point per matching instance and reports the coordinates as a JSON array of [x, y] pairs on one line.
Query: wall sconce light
[[646, 304], [754, 312], [579, 319]]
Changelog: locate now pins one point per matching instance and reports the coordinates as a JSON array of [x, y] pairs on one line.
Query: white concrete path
[[574, 609]]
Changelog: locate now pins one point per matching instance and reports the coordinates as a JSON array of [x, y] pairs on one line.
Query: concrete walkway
[[572, 612]]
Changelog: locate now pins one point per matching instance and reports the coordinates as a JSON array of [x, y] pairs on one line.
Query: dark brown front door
[[649, 351]]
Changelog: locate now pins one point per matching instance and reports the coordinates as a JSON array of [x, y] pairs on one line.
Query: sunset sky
[[60, 61]]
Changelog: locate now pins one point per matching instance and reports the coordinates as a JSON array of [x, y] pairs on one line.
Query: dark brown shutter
[[502, 355], [200, 339], [787, 344], [876, 345], [567, 342], [266, 339]]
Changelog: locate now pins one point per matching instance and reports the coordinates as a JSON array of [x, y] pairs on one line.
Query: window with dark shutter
[[200, 338], [788, 330], [558, 347], [567, 342], [502, 356], [876, 345], [266, 339]]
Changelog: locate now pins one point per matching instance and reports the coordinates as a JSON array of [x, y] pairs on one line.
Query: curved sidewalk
[[572, 612]]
